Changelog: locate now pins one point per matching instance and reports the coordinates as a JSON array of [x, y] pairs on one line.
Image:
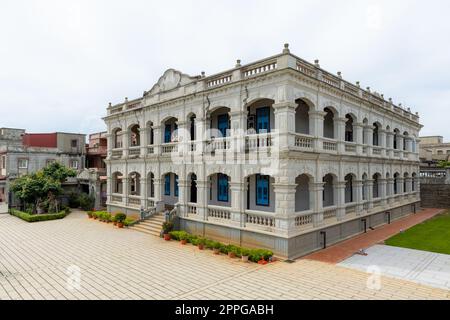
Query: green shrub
[[258, 254], [216, 245], [201, 241], [120, 217], [107, 217], [74, 201], [86, 202], [38, 217], [167, 227], [179, 235], [194, 240], [128, 222], [245, 252]]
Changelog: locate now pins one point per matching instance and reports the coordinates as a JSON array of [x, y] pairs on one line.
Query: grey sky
[[61, 62]]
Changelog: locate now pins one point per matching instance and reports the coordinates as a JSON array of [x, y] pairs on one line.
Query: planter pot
[[183, 242], [216, 251], [244, 258], [231, 255], [201, 246], [95, 218], [262, 262], [120, 224], [115, 223], [167, 237]]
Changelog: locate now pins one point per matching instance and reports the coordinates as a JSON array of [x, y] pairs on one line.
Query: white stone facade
[[334, 152]]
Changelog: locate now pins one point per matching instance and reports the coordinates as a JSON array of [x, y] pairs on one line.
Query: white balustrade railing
[[191, 208], [260, 69], [134, 151], [350, 147], [222, 143], [169, 147], [376, 150], [261, 220], [329, 213], [219, 81], [150, 149], [117, 153], [255, 141], [303, 219], [134, 201], [220, 213], [350, 208], [303, 141], [116, 198], [328, 145]]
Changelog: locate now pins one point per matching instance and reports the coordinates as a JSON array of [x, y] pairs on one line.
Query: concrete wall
[[435, 195]]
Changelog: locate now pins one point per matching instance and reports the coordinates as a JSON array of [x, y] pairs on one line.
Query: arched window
[[376, 185], [376, 132], [349, 128], [302, 117], [328, 124], [328, 190], [349, 188]]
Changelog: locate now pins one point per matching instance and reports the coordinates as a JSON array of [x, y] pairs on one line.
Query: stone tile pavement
[[3, 207], [44, 260], [428, 268]]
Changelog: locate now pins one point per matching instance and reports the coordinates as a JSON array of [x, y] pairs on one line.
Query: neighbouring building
[[433, 149], [278, 154], [37, 150], [93, 178]]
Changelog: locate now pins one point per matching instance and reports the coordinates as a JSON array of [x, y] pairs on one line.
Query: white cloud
[[62, 62]]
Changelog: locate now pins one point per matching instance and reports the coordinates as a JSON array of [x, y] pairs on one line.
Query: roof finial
[[286, 48], [368, 89], [203, 74], [358, 84], [126, 99], [316, 62], [238, 63], [110, 104], [339, 74]]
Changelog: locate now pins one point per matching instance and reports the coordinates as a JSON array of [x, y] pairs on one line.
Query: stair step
[[156, 234], [142, 227]]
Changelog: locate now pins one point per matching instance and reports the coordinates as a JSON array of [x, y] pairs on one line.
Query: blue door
[[222, 124], [167, 133], [176, 186], [262, 120], [222, 188], [262, 190], [167, 185]]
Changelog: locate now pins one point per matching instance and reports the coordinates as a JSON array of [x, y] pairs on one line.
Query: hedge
[[253, 254], [38, 217]]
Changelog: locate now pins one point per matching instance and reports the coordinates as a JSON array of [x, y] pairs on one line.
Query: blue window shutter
[[167, 185], [222, 188], [167, 134], [262, 190], [176, 186], [222, 124], [262, 120]]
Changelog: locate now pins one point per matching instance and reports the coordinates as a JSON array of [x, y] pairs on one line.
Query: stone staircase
[[152, 225]]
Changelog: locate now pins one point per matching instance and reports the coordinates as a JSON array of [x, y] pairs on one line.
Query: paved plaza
[[78, 258], [428, 268]]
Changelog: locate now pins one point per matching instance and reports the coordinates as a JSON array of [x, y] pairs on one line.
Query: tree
[[444, 164], [44, 185]]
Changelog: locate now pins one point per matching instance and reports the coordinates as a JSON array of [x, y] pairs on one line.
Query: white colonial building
[[277, 154]]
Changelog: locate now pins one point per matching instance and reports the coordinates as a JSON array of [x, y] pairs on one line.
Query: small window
[[167, 185], [167, 133], [23, 163], [176, 186], [440, 152], [74, 164], [262, 190], [222, 187], [74, 143]]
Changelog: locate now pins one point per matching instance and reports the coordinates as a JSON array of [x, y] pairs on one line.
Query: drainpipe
[[324, 234], [365, 225], [389, 217]]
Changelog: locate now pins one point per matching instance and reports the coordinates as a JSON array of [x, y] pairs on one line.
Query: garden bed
[[38, 217]]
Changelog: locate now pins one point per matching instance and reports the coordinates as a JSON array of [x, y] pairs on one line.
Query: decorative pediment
[[171, 79]]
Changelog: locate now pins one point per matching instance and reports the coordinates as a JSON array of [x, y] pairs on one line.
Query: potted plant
[[232, 250], [201, 243], [183, 238], [114, 221], [120, 218], [216, 247], [89, 213], [95, 215], [167, 227], [107, 217], [245, 253]]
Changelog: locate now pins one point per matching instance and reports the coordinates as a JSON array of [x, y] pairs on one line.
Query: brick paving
[[345, 249], [35, 260]]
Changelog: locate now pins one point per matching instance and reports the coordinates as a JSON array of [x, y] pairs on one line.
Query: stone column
[[284, 122], [201, 135], [202, 199], [316, 128], [383, 191], [317, 194], [389, 144], [109, 187], [238, 121], [238, 192], [143, 133], [183, 138], [125, 190], [368, 133], [109, 145], [285, 206], [400, 145], [340, 200], [382, 141], [370, 193], [390, 185], [359, 131], [125, 143], [359, 197], [143, 187], [157, 140], [183, 184], [340, 133]]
